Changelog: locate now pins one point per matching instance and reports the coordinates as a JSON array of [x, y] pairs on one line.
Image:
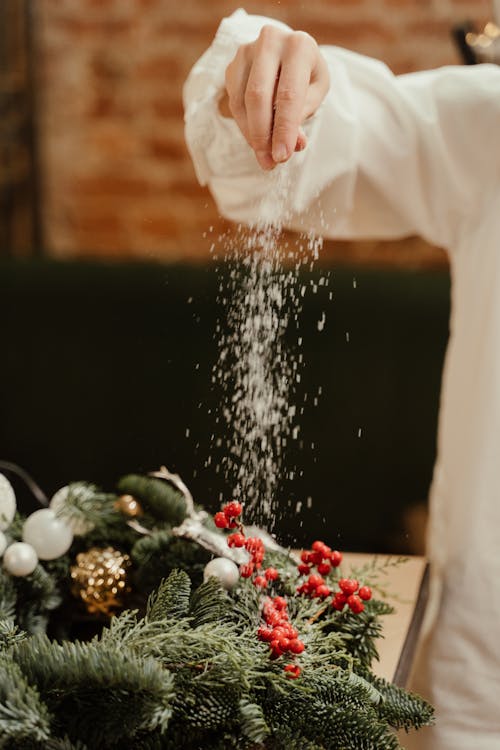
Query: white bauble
[[50, 536], [225, 570], [3, 543], [7, 503], [78, 526], [20, 559]]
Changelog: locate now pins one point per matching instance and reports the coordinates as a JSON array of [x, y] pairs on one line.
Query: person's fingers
[[273, 85], [237, 73], [297, 65], [318, 88], [260, 92]]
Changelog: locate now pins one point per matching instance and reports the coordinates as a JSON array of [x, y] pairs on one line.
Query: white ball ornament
[[7, 503], [3, 543], [20, 559], [225, 570], [50, 536]]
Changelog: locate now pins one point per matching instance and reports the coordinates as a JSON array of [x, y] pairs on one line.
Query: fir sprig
[[157, 496], [23, 714]]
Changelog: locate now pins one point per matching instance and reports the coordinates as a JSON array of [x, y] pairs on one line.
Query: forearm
[[386, 156]]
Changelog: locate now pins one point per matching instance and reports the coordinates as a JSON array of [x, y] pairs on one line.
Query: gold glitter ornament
[[129, 506], [100, 579]]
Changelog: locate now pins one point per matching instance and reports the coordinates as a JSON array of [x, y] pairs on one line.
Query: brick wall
[[117, 180]]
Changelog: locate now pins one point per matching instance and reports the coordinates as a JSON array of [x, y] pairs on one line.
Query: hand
[[273, 85]]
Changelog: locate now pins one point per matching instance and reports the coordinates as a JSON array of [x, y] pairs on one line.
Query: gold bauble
[[129, 506], [100, 579]]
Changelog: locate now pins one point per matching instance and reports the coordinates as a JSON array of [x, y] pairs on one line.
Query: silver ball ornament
[[7, 503], [225, 570], [49, 535], [20, 559]]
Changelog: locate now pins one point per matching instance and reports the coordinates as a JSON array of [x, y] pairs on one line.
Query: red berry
[[303, 569], [254, 544], [348, 585], [292, 671], [292, 633], [233, 509], [280, 602], [271, 574], [335, 558], [318, 546], [279, 632], [322, 548], [260, 581], [355, 604], [305, 556], [236, 540], [365, 593], [284, 643], [339, 601], [272, 618], [264, 634], [314, 581], [323, 591], [324, 568], [316, 558], [221, 521], [275, 646], [296, 646], [247, 570]]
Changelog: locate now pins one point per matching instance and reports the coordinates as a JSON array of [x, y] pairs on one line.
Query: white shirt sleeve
[[388, 156]]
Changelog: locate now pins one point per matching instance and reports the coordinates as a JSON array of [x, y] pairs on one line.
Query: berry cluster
[[324, 559], [347, 595], [228, 518], [282, 637], [321, 557]]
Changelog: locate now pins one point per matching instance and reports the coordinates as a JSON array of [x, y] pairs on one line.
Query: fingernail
[[280, 152], [301, 141], [265, 160]]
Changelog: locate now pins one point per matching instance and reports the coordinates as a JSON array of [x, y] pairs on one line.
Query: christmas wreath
[[134, 619]]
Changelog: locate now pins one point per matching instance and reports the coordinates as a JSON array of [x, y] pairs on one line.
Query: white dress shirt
[[390, 156]]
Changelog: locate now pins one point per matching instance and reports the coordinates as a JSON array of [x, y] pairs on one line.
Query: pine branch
[[157, 555], [252, 721], [361, 631], [23, 716], [8, 595], [171, 599], [77, 680], [401, 709], [157, 496], [37, 595], [9, 633], [209, 603]]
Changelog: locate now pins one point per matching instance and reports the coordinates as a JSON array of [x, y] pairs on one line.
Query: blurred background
[[108, 291]]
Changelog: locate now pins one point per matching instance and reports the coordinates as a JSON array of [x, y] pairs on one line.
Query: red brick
[[164, 67], [90, 27], [118, 179], [112, 185], [167, 149]]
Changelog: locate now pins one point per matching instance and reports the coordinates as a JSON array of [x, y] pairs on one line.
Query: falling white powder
[[256, 370]]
